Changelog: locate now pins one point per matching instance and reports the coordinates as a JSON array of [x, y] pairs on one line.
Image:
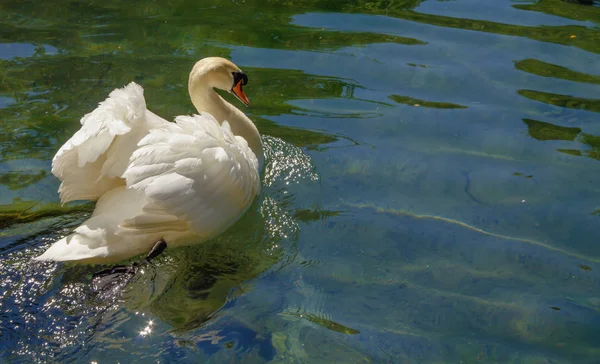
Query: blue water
[[430, 192]]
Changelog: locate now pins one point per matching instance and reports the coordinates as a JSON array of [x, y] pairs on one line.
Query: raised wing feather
[[94, 159], [196, 170]]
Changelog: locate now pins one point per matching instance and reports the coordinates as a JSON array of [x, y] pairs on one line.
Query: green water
[[431, 191]]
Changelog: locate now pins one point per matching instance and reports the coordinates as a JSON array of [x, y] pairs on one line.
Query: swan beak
[[239, 93]]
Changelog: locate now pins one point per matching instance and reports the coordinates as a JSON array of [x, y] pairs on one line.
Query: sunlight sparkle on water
[[148, 329]]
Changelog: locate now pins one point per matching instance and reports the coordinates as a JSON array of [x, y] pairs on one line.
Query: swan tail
[[75, 247]]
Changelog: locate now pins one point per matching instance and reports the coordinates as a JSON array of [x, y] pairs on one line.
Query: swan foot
[[117, 269], [131, 269], [157, 249], [110, 283]]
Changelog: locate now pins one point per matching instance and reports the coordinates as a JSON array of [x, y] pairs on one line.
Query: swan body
[[184, 182]]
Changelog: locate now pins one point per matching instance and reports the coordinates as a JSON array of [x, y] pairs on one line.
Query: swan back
[[93, 160], [196, 170]]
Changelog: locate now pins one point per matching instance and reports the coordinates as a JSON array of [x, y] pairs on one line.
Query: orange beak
[[239, 93]]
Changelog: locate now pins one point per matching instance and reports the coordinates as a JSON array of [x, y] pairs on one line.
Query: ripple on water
[[462, 226]]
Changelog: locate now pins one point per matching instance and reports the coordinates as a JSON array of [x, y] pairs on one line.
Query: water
[[430, 195]]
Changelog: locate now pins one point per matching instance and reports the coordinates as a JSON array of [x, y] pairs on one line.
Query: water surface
[[430, 193]]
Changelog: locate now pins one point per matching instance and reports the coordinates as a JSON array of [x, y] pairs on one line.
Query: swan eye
[[239, 76]]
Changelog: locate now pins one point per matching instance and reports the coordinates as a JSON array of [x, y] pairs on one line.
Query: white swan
[[179, 183]]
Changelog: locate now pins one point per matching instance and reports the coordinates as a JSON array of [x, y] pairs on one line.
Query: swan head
[[221, 73]]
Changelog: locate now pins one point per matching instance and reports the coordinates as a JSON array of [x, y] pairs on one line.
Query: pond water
[[431, 191]]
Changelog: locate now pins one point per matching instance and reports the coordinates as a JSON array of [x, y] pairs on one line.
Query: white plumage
[[183, 182]]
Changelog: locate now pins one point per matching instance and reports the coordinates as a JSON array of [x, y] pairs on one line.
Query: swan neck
[[206, 99]]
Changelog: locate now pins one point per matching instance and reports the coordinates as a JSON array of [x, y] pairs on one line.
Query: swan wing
[[94, 159], [196, 170]]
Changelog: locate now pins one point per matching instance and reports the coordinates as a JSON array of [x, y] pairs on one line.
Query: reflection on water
[[541, 68], [570, 9], [416, 102], [323, 322], [24, 50], [16, 180], [430, 192], [570, 102], [546, 131]]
